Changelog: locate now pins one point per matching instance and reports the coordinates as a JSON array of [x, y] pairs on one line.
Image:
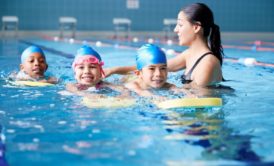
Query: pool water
[[40, 126]]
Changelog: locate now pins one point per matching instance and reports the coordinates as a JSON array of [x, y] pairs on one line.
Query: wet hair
[[199, 12]]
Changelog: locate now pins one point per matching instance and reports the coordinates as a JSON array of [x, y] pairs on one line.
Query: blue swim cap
[[28, 51], [87, 50], [150, 54]]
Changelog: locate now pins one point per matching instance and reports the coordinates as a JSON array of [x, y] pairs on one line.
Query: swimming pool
[[39, 126]]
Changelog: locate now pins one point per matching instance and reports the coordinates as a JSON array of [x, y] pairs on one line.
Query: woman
[[202, 60]]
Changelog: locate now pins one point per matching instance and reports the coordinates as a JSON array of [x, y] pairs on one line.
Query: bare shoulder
[[209, 62], [132, 85], [71, 87], [208, 71]]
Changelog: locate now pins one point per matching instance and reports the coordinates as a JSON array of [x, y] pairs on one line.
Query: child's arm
[[198, 91], [178, 90], [74, 89], [134, 86], [124, 91], [51, 80], [12, 76], [119, 70]]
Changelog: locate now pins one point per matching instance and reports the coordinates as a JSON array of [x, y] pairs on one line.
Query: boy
[[151, 71], [33, 66]]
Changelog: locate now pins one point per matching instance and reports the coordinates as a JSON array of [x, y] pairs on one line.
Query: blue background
[[96, 15]]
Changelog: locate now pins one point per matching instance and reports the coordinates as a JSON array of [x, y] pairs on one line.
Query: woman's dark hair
[[199, 12]]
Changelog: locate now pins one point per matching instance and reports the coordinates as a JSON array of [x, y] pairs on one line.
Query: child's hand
[[158, 99], [44, 81], [94, 96], [187, 93], [52, 80]]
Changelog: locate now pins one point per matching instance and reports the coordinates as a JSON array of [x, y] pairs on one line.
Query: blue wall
[[93, 15]]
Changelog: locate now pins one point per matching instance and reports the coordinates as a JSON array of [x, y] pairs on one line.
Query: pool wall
[[97, 15]]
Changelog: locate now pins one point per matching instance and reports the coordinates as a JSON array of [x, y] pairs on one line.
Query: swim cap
[[149, 54], [87, 50], [87, 54], [30, 50]]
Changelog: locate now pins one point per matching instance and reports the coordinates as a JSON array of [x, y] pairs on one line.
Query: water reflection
[[2, 149], [206, 127]]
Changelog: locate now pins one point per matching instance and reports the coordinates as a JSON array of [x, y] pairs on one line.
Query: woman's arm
[[119, 70], [176, 63]]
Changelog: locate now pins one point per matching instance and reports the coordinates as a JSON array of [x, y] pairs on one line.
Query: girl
[[88, 73]]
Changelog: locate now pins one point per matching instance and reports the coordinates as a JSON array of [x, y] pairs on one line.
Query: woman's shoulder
[[208, 71], [211, 60]]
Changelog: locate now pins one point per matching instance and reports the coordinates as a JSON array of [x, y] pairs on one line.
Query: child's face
[[88, 73], [35, 65], [154, 76]]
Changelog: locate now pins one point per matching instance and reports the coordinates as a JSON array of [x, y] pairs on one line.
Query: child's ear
[[137, 72], [21, 67]]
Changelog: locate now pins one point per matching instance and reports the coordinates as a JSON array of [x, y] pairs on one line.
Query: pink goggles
[[88, 59]]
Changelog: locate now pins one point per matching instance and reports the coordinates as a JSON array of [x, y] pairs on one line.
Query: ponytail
[[215, 43], [199, 12]]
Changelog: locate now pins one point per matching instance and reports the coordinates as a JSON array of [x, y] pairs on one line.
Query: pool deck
[[226, 36]]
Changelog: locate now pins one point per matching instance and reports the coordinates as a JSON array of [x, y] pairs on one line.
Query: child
[[33, 66], [88, 73], [151, 71]]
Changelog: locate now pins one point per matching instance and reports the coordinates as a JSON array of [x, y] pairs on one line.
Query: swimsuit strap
[[196, 63], [99, 85]]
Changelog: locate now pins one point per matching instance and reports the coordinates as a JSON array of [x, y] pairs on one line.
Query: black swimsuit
[[186, 78]]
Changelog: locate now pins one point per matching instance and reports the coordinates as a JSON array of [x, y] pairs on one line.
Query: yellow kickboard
[[32, 83], [190, 102], [110, 102]]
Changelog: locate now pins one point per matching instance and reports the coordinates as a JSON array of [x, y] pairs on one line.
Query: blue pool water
[[39, 126]]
